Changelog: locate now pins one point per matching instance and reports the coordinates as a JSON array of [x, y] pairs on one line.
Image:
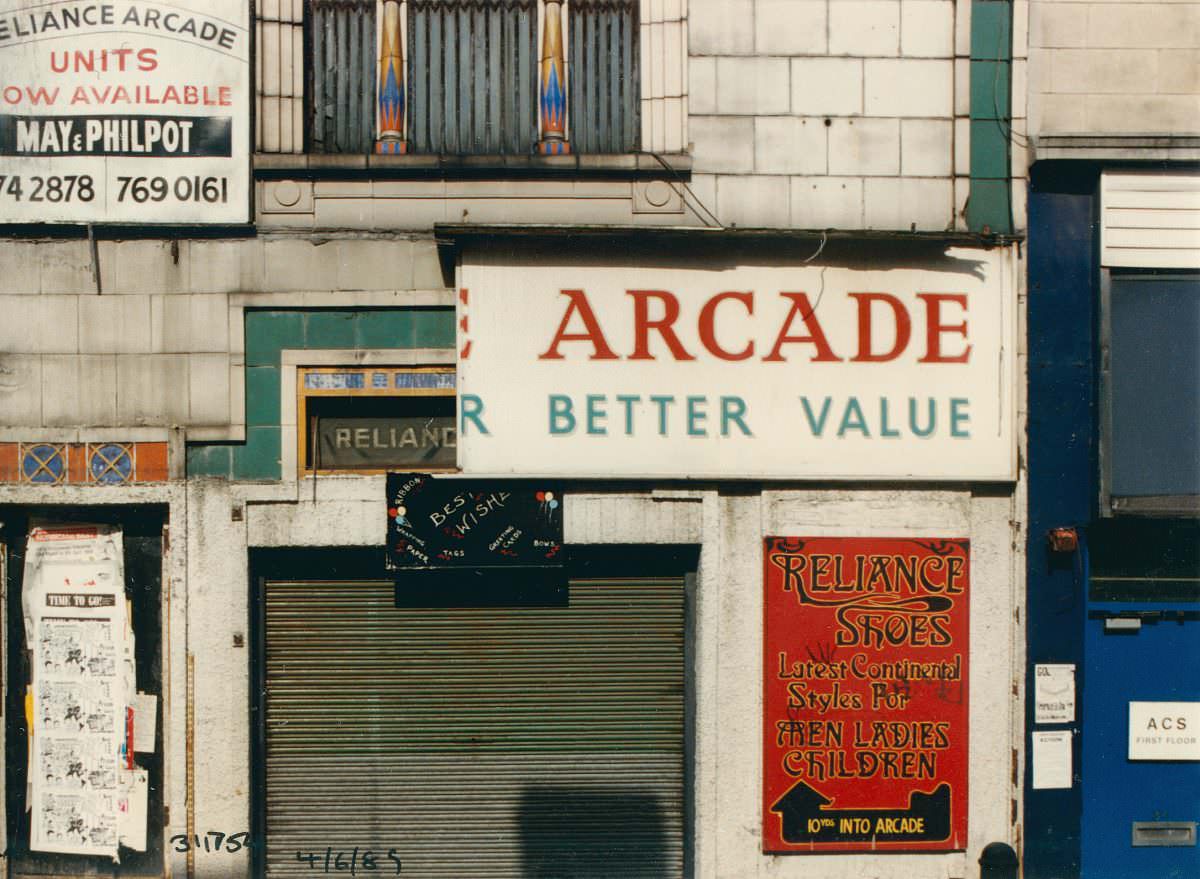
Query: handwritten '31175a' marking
[[212, 841]]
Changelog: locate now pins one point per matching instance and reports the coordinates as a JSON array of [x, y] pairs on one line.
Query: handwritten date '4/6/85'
[[328, 861], [368, 861]]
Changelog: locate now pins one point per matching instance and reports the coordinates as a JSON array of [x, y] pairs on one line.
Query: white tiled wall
[[829, 113], [280, 75], [1128, 67]]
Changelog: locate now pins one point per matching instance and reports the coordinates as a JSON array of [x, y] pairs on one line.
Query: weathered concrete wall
[[727, 660], [161, 343], [1124, 67]]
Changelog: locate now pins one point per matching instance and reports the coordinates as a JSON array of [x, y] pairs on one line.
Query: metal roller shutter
[[496, 742]]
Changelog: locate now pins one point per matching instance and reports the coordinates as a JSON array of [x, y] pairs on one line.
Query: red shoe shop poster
[[865, 650]]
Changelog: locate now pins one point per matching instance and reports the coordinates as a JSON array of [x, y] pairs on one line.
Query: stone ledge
[[1117, 147], [623, 166]]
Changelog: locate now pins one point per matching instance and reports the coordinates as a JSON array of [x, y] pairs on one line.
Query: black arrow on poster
[[807, 820]]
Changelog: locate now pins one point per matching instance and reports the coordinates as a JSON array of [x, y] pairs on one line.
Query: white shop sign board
[[135, 111], [1164, 730], [799, 372]]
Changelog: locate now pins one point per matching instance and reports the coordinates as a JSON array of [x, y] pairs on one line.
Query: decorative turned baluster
[[391, 82], [553, 92]]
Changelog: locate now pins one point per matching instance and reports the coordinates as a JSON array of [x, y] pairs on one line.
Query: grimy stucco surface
[[158, 355], [214, 522], [727, 661], [161, 343]]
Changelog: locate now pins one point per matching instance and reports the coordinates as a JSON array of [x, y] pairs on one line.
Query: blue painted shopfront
[[1123, 605]]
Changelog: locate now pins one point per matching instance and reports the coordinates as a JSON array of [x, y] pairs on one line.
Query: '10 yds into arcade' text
[[865, 675]]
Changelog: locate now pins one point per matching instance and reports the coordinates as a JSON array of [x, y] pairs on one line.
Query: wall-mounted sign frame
[[702, 369], [865, 712], [1164, 731], [375, 419], [132, 112], [472, 524]]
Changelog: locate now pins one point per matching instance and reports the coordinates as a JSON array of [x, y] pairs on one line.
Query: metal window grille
[[472, 76], [603, 84], [342, 76]]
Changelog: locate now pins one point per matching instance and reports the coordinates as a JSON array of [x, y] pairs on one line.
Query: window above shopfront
[[447, 78]]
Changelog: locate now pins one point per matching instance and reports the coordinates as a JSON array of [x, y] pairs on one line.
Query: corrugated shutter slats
[[506, 742]]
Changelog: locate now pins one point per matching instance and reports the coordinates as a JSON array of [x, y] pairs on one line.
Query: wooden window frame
[[306, 426]]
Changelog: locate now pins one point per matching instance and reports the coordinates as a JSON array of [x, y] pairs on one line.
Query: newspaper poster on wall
[[78, 631], [117, 112], [865, 694]]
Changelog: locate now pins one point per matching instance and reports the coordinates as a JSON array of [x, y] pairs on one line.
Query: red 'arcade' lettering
[[708, 335], [903, 327], [934, 328], [579, 303], [801, 306], [642, 324]]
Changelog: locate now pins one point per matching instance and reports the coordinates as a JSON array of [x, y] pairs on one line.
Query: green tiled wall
[[270, 331], [990, 204]]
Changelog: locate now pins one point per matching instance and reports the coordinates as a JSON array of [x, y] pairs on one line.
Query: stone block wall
[[1114, 68], [165, 340], [851, 114]]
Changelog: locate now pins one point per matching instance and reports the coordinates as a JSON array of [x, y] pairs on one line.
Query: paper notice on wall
[[76, 568], [77, 622], [1054, 693], [145, 721], [132, 808], [1052, 760], [78, 705]]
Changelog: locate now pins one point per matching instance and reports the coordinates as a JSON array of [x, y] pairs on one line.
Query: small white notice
[[1054, 693], [1164, 730], [145, 721], [1052, 760], [132, 802]]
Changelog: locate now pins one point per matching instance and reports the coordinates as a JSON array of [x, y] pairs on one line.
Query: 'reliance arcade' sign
[[807, 371], [865, 694], [129, 111]]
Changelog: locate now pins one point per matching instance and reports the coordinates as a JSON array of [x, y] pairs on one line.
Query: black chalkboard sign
[[435, 524]]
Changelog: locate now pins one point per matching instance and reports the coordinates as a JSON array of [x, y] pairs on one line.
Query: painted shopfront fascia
[[813, 371]]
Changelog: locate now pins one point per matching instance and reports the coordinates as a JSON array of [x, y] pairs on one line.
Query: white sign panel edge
[[130, 112], [513, 311]]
